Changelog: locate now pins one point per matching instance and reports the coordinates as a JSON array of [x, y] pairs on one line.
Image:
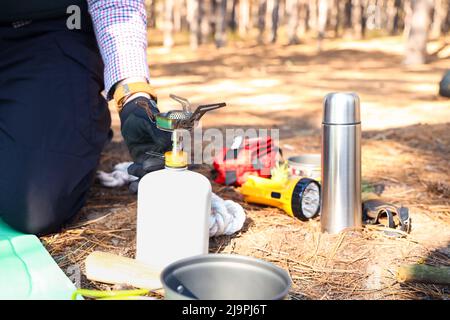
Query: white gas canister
[[173, 212]]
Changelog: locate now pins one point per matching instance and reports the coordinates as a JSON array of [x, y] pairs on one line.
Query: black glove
[[151, 163], [143, 137], [139, 129]]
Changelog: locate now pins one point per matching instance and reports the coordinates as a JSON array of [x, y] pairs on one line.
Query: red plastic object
[[255, 156]]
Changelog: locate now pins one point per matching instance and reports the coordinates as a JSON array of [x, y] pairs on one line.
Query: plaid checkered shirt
[[121, 31]]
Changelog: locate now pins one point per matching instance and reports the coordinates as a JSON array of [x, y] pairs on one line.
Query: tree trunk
[[312, 21], [389, 15], [282, 13], [177, 17], [221, 13], [397, 17], [194, 18], [292, 26], [364, 4], [446, 24], [151, 13], [341, 17], [337, 17], [356, 18], [348, 14], [262, 7], [168, 23], [438, 19], [322, 17], [205, 23], [370, 15], [303, 17], [244, 17], [417, 31], [274, 19], [232, 24]]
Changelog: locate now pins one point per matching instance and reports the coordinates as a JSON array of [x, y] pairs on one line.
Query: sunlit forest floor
[[406, 148]]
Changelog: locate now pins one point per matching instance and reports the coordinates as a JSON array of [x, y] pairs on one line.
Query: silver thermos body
[[341, 163]]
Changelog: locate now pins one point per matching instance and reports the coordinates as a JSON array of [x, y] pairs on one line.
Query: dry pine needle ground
[[409, 160]]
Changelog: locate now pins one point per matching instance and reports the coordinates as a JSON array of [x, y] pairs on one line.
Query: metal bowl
[[224, 277], [305, 166]]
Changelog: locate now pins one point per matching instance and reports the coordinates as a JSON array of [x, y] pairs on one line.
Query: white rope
[[118, 178], [227, 217]]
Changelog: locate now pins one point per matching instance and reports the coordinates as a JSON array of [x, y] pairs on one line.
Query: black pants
[[53, 122]]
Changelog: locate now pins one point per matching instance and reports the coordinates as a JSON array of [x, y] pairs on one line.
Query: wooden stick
[[423, 273], [110, 268]]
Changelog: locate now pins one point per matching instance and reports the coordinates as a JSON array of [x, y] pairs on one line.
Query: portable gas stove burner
[[183, 119]]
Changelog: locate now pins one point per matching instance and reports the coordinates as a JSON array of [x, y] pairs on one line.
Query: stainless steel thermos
[[341, 163]]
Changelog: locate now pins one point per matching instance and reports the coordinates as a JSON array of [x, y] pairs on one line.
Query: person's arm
[[121, 31]]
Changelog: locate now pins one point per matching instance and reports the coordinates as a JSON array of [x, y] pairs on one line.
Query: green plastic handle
[[110, 295]]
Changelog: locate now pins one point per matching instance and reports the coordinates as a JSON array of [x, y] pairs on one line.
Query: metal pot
[[305, 166], [224, 277]]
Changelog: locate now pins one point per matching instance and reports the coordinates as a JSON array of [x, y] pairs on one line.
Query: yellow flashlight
[[298, 197]]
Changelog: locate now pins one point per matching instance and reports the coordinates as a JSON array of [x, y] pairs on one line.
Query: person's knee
[[32, 222], [37, 213], [41, 208]]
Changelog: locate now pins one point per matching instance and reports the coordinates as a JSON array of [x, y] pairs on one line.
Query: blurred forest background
[[272, 62], [217, 21]]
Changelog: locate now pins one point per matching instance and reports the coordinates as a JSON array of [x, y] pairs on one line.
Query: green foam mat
[[27, 271]]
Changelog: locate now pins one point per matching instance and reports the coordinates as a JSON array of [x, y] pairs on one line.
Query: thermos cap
[[341, 108]]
